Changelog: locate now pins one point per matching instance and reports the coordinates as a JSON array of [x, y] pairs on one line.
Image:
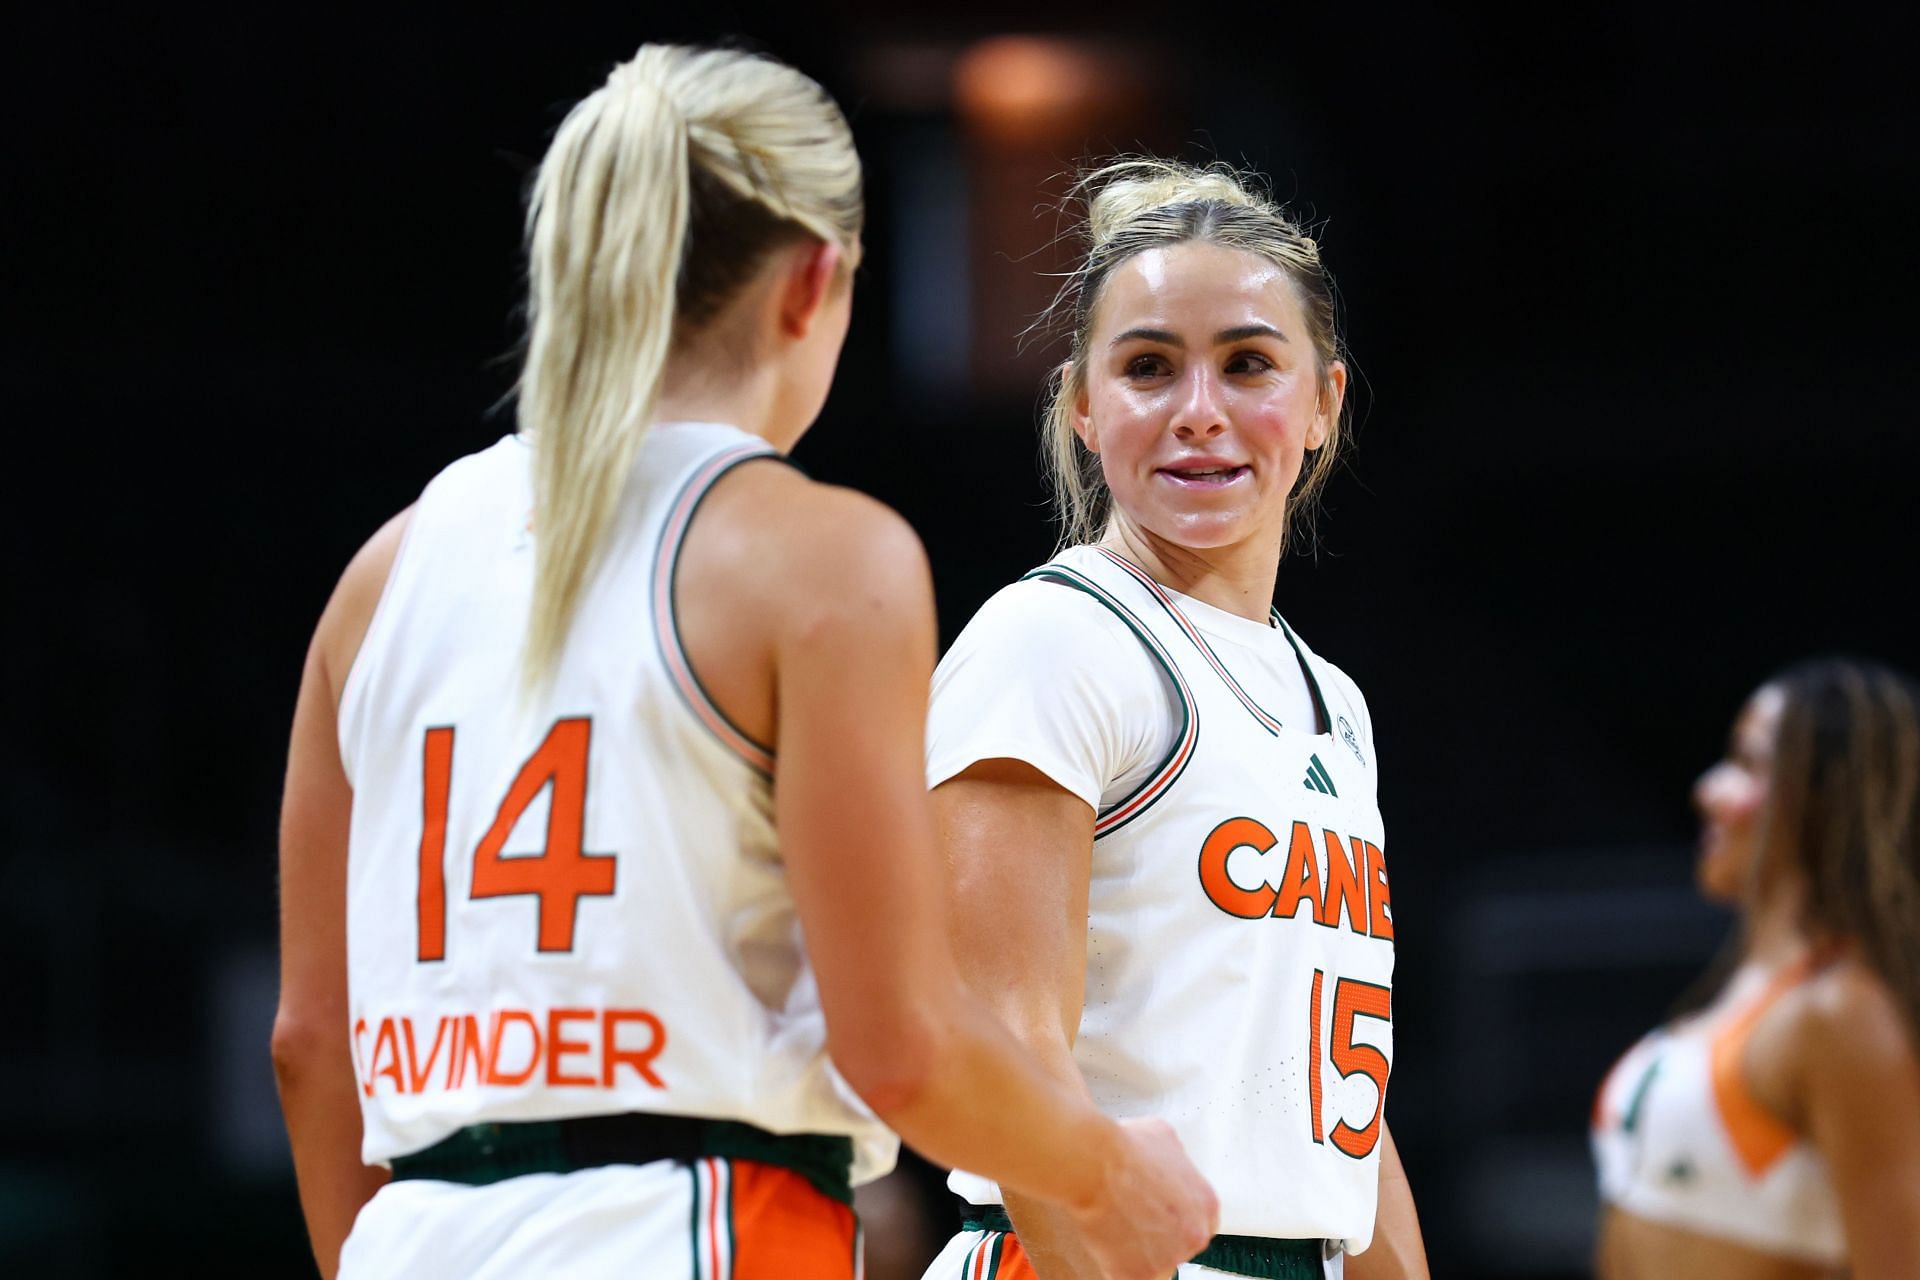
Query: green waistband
[[1258, 1256], [485, 1153]]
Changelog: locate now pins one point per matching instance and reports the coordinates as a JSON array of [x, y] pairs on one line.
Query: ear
[[1079, 408], [810, 276], [1327, 411]]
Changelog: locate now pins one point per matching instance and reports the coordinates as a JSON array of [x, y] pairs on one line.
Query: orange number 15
[[1351, 999]]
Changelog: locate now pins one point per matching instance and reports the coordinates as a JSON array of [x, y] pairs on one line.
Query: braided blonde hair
[[663, 191]]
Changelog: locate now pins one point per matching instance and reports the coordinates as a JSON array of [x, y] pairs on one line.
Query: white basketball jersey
[[572, 903], [1680, 1140], [1240, 936]]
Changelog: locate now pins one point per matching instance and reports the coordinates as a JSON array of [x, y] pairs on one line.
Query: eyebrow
[[1238, 333]]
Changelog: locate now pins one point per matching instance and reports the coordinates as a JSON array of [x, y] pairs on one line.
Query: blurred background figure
[[1775, 1130], [1631, 334]]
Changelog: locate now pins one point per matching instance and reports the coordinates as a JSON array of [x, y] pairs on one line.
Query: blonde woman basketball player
[[1159, 803], [1775, 1133], [545, 1008]]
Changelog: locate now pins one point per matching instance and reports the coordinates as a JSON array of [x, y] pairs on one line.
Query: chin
[[1204, 532], [1716, 883]]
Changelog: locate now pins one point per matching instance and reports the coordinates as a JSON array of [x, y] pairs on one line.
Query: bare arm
[[1397, 1251], [311, 1055], [852, 601], [1861, 1090], [1021, 854]]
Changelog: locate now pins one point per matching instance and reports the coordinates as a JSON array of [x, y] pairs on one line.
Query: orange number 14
[[559, 876]]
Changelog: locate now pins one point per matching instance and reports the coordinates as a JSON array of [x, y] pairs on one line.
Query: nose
[[1201, 413], [1705, 789]]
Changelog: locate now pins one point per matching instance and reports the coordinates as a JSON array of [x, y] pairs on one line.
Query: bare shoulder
[[791, 540], [1849, 1004], [344, 624], [1837, 1042]]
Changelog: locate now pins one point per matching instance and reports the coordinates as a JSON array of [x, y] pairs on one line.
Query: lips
[[1205, 475]]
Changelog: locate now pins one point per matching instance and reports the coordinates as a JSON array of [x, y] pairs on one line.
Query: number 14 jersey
[[572, 902]]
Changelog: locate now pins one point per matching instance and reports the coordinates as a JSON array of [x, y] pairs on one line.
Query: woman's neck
[[1238, 578], [1774, 931], [745, 399]]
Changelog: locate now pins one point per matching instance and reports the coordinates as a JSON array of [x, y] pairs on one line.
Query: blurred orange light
[[1032, 88]]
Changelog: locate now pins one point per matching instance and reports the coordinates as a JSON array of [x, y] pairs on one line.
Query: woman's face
[[1202, 394], [1731, 795]]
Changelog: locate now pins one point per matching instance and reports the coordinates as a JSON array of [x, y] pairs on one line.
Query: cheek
[[1277, 431], [1123, 426], [1744, 800], [1285, 409]]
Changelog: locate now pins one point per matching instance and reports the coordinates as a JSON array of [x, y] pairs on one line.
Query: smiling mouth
[[1204, 477]]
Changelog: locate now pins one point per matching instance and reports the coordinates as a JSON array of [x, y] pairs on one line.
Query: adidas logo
[[1318, 779]]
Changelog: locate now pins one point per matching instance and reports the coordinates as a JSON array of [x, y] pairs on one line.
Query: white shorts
[[713, 1219], [997, 1255]]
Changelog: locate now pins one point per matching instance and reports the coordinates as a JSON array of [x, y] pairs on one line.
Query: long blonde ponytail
[[659, 196]]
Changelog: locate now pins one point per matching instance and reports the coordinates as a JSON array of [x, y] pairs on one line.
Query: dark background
[[1629, 299]]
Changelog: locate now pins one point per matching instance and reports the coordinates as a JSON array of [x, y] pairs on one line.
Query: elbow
[[297, 1043], [891, 1068]]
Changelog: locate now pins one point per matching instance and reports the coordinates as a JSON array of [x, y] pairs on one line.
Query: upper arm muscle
[[1862, 1103], [1020, 851], [848, 608], [317, 806]]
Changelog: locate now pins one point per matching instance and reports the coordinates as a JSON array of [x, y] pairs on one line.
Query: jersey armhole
[[666, 569], [347, 712], [1187, 736]]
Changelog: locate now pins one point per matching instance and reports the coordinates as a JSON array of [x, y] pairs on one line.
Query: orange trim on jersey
[[784, 1229], [998, 1256], [1759, 1137], [1014, 1263], [667, 631]]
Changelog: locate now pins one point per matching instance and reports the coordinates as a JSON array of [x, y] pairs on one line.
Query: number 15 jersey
[[572, 902], [1239, 932]]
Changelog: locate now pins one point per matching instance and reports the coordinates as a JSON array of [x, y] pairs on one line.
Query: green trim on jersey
[[681, 512], [1631, 1120], [1187, 736], [1313, 681], [481, 1154], [1262, 1257], [733, 1237], [1163, 597]]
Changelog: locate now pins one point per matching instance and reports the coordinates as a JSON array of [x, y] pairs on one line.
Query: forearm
[[993, 1107], [1398, 1252], [323, 1125], [1047, 1229]]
